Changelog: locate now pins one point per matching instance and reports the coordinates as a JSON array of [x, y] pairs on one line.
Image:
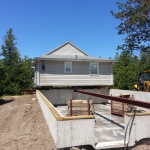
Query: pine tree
[[125, 71], [135, 24], [15, 73], [9, 49]]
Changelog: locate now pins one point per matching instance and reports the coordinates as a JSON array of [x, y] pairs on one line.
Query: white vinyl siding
[[105, 69], [68, 49], [74, 80], [68, 67], [94, 68], [54, 74]]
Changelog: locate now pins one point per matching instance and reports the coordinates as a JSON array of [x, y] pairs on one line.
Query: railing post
[[71, 107], [111, 105], [88, 107]]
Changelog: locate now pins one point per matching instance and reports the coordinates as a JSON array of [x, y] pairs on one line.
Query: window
[[68, 67], [93, 68]]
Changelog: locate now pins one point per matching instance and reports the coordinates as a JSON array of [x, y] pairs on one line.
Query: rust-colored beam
[[118, 99], [29, 90]]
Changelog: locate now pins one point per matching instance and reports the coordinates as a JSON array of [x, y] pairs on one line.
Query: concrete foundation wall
[[141, 124], [67, 131], [140, 128], [138, 95], [49, 117], [76, 132], [62, 96]]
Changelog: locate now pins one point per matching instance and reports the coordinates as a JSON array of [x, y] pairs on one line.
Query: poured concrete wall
[[140, 128], [67, 131], [62, 96], [138, 95]]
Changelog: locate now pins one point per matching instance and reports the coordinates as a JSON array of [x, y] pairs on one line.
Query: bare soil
[[23, 127]]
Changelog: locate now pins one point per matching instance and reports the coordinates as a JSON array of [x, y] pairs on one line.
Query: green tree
[[2, 77], [116, 56], [9, 49], [15, 72], [24, 72], [145, 61], [135, 24], [125, 71]]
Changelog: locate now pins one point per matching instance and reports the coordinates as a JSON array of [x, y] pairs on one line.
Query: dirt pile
[[22, 125]]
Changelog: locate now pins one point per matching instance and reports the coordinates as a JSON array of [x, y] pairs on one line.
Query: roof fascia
[[69, 59]]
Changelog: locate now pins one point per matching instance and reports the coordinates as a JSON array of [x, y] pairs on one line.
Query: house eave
[[72, 60]]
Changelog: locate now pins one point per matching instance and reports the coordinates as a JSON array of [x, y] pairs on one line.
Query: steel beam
[[118, 99], [29, 90]]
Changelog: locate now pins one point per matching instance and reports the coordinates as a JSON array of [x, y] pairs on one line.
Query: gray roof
[[72, 57]]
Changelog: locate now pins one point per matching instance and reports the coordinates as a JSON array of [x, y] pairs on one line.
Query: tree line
[[15, 72], [127, 67], [134, 16]]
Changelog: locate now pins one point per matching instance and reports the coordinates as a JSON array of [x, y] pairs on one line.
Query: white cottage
[[67, 65]]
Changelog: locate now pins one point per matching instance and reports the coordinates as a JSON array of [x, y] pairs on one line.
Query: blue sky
[[42, 25]]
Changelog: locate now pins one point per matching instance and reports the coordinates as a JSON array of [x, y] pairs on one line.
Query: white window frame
[[65, 65], [91, 63]]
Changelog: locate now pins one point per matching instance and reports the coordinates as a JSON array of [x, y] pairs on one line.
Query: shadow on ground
[[85, 147], [2, 102], [88, 147], [145, 141]]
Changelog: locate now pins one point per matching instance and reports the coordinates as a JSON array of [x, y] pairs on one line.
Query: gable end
[[67, 49]]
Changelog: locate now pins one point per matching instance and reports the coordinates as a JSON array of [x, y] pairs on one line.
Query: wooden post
[[70, 107], [122, 109], [88, 107], [111, 106]]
